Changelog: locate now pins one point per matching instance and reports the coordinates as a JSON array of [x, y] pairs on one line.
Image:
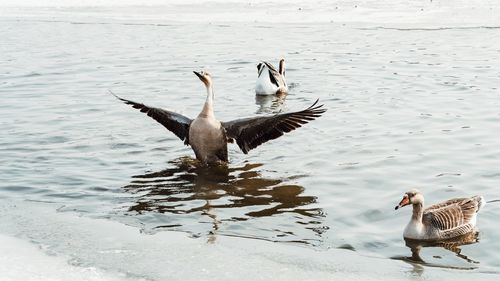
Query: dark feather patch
[[174, 122], [252, 132], [273, 79], [260, 66]]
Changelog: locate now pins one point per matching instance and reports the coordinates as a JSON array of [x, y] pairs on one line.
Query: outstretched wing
[[252, 132], [174, 122]]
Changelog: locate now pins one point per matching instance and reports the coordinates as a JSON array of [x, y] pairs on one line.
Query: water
[[408, 106]]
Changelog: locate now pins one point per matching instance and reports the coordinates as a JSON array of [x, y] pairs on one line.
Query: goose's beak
[[405, 201], [198, 74], [203, 78]]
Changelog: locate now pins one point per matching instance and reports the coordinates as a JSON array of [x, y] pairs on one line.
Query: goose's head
[[204, 77], [411, 197]]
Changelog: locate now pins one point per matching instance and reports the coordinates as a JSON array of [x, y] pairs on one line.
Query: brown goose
[[440, 221], [209, 137]]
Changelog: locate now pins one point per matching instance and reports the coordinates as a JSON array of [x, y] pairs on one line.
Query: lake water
[[410, 105]]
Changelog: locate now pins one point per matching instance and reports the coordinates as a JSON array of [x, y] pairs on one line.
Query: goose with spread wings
[[208, 136]]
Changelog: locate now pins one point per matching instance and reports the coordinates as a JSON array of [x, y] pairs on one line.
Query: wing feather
[[252, 132], [454, 215], [174, 122]]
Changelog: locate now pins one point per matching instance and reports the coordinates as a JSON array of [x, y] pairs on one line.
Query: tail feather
[[480, 202]]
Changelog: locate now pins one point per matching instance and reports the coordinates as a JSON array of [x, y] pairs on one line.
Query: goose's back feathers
[[453, 213], [276, 77], [252, 132], [451, 218], [272, 71]]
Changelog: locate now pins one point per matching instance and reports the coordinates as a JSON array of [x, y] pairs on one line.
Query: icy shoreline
[[100, 249], [21, 260]]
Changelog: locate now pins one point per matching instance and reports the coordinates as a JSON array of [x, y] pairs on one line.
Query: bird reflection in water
[[452, 245], [236, 202], [271, 104]]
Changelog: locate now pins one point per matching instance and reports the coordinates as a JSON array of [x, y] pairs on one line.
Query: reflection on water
[[453, 245], [271, 104], [192, 197]]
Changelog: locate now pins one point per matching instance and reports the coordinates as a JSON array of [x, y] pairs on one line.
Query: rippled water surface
[[406, 108]]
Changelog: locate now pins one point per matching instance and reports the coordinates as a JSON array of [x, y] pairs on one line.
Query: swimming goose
[[440, 221], [208, 137], [270, 81]]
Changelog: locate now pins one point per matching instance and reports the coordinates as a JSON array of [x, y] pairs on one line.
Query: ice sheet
[[100, 247], [21, 260]]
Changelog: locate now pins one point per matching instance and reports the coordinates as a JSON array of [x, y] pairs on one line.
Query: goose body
[[208, 137], [445, 220], [269, 80]]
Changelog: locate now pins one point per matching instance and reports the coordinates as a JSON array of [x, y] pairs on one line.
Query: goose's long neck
[[418, 212], [208, 108]]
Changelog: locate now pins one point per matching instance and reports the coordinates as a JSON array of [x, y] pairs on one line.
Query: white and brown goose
[[445, 220], [208, 137], [269, 81]]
